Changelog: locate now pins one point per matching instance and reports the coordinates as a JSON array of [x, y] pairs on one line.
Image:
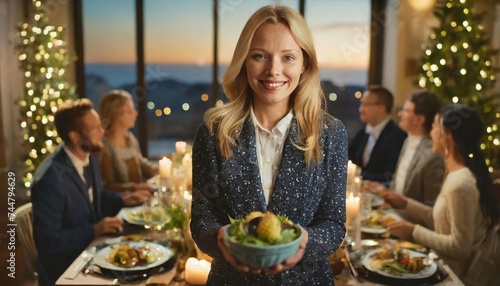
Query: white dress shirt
[[373, 135], [405, 160], [79, 164], [269, 150]]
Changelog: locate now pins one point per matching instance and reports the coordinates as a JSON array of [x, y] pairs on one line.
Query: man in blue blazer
[[376, 147], [69, 203]]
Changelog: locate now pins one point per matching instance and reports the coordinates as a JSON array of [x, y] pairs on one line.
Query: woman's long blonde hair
[[307, 99], [111, 108]]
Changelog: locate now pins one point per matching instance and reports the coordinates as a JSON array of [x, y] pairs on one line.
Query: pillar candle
[[180, 147], [197, 271], [165, 167], [352, 208], [351, 172]]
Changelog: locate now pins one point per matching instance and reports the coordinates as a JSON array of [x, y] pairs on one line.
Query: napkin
[[79, 264], [162, 279]]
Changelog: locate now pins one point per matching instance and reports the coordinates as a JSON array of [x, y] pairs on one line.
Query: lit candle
[[165, 167], [351, 170], [197, 271], [180, 147], [352, 208]]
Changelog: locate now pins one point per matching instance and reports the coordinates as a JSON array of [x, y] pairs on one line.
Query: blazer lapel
[[96, 201], [414, 162], [293, 175], [361, 150], [242, 171]]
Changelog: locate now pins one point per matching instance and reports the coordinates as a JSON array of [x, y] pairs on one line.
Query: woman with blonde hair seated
[[123, 166], [465, 216]]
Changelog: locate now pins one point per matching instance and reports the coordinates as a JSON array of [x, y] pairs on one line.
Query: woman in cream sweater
[[465, 216]]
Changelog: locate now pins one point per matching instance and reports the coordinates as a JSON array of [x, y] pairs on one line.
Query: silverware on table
[[82, 261]]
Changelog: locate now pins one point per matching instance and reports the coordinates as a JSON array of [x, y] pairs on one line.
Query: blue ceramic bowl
[[262, 256]]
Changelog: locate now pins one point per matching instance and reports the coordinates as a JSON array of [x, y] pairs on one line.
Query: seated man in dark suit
[[376, 147], [69, 203]]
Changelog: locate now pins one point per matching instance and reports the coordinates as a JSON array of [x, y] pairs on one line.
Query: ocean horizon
[[118, 74], [179, 84]]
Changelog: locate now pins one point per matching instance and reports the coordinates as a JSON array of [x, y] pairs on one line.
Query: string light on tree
[[43, 59], [456, 65]]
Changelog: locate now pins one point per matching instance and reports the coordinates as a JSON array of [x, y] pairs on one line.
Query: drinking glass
[[154, 214], [365, 202]]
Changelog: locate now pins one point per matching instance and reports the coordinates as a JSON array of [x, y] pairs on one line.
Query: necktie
[[368, 149], [87, 173]]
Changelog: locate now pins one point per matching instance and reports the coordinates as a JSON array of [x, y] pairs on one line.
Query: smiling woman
[[260, 150]]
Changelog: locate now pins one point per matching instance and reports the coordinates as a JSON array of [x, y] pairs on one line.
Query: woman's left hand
[[292, 261], [402, 229]]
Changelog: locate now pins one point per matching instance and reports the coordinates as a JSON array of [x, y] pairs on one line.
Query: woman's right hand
[[397, 201], [229, 257]]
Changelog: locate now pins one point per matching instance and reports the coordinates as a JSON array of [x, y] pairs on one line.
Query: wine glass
[[155, 215]]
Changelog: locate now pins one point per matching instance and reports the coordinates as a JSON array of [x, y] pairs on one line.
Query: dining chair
[[24, 219]]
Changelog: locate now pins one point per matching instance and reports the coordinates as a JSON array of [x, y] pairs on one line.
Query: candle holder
[[353, 235], [353, 221], [354, 186]]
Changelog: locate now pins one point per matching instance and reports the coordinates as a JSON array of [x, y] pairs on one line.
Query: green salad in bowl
[[262, 240]]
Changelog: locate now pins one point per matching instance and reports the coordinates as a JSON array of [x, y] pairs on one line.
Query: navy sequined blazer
[[313, 197]]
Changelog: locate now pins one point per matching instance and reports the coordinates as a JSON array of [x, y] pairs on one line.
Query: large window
[[341, 31], [178, 41], [178, 55], [109, 43]]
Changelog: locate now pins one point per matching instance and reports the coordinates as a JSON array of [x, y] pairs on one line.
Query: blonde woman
[[123, 166], [271, 148]]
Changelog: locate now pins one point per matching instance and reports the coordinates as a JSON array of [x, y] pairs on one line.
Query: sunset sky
[[181, 31]]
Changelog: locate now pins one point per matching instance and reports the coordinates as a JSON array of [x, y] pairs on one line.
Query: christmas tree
[[457, 66], [43, 58]]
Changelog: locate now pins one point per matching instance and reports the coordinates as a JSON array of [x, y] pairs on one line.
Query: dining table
[[88, 268], [349, 263], [371, 256]]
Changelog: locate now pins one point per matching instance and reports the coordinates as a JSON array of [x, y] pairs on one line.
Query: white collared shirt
[[405, 160], [269, 150], [374, 134], [79, 164]]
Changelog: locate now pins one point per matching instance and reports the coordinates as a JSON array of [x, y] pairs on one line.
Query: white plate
[[368, 262], [128, 215], [379, 230], [163, 253]]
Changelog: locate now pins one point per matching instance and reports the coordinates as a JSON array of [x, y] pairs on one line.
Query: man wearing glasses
[[377, 146]]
